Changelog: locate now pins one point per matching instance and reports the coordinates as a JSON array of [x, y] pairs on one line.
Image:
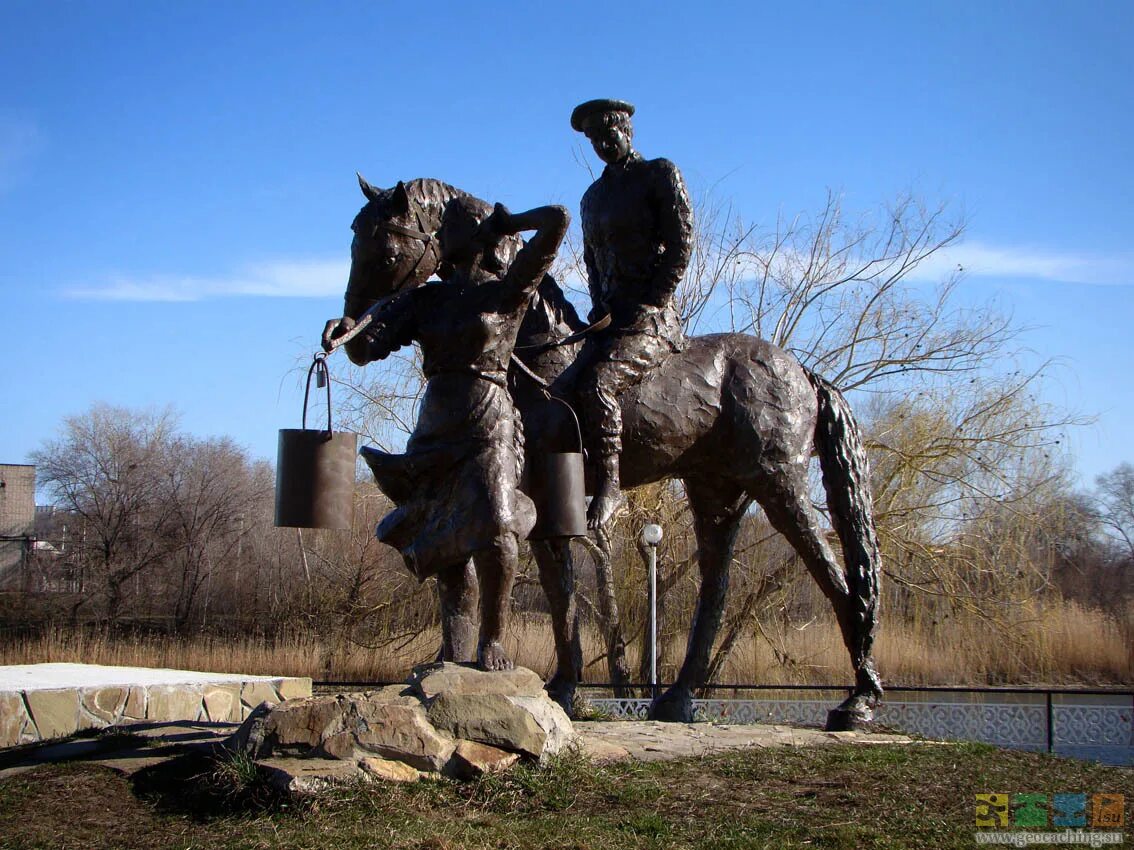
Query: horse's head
[[394, 247]]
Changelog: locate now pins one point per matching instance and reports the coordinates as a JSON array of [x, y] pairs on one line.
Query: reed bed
[[1057, 644], [1046, 644]]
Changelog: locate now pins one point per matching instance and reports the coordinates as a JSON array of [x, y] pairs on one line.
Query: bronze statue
[[734, 417], [637, 237], [456, 487]]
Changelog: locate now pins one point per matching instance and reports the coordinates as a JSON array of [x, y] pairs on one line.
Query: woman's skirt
[[456, 486]]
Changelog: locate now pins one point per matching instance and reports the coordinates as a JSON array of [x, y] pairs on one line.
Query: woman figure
[[456, 487]]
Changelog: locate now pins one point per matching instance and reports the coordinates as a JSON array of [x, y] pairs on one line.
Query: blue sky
[[177, 180]]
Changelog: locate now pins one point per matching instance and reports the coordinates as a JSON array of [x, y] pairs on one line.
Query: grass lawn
[[850, 797]]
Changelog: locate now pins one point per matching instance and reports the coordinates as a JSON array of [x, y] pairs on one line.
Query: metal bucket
[[556, 483], [315, 470]]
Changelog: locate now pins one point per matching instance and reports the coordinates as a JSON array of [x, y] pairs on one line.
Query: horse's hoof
[[840, 720], [854, 715], [672, 708]]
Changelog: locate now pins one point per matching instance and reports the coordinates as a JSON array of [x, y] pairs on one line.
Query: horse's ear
[[399, 201], [369, 191]]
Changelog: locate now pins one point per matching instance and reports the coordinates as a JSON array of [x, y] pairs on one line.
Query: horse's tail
[[846, 478]]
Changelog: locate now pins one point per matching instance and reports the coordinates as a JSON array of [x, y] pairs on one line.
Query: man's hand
[[334, 329]]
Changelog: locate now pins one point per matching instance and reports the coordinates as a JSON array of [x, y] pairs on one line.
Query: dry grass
[[1046, 644], [299, 655], [1061, 644], [530, 643]]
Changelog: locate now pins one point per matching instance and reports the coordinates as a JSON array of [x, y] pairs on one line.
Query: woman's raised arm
[[537, 255]]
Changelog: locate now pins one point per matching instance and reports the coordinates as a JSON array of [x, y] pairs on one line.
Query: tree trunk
[[113, 600]]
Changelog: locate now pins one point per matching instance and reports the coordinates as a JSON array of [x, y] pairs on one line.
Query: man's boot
[[608, 501]]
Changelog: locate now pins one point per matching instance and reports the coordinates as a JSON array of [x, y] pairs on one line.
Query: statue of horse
[[735, 418]]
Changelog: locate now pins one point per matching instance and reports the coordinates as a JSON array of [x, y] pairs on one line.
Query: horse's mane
[[431, 194], [552, 316], [434, 194]]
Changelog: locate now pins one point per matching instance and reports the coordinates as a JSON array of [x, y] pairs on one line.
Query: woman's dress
[[456, 487]]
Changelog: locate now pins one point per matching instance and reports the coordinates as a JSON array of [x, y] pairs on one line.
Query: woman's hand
[[498, 224], [334, 329]]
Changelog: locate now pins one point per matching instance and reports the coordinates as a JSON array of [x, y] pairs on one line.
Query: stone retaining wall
[[40, 714]]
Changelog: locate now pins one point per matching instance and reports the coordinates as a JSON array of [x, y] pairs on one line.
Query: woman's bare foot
[[490, 656]]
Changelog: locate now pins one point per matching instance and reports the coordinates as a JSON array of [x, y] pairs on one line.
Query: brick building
[[17, 519]]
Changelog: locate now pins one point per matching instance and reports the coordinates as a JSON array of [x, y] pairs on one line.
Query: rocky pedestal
[[447, 720]]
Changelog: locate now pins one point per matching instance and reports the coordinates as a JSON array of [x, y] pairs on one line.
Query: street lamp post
[[651, 537]]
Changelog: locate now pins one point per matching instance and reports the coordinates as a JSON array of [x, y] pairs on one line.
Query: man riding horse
[[733, 417], [637, 238]]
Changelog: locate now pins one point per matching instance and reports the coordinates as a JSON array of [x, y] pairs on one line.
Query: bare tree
[[1115, 495], [361, 596], [152, 503], [108, 468], [215, 494], [380, 400]]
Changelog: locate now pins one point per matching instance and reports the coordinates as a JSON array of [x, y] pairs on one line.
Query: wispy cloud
[[20, 139], [978, 259], [282, 279], [324, 278]]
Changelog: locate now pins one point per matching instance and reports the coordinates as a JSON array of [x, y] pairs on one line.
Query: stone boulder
[[391, 771], [471, 760], [394, 732], [449, 719], [533, 726], [429, 681]]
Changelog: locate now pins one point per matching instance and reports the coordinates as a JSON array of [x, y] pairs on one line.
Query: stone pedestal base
[[447, 720]]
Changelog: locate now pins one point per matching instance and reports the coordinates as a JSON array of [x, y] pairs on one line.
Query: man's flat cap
[[593, 107]]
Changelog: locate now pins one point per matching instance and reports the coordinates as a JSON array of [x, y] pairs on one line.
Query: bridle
[[418, 216], [426, 238], [420, 234]]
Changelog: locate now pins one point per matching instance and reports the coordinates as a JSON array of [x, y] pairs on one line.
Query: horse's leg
[[783, 496], [717, 510], [557, 575], [458, 593], [618, 670]]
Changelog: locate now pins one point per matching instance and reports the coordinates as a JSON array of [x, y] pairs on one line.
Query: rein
[[541, 347]]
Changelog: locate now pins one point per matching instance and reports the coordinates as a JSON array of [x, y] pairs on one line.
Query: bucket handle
[[545, 388], [322, 379], [574, 416]]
